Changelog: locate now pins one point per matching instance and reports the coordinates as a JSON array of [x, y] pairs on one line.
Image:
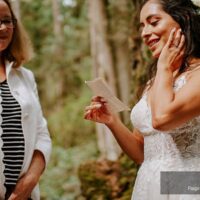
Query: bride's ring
[[174, 45]]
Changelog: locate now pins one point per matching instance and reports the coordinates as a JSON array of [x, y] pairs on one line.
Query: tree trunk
[[121, 13], [103, 66], [140, 55], [116, 46], [57, 27]]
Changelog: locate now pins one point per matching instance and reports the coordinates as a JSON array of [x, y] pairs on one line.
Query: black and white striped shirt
[[12, 136]]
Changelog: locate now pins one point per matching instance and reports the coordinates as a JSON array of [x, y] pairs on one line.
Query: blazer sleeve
[[43, 140]]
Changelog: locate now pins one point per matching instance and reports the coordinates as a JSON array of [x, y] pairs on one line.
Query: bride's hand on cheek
[[172, 53]]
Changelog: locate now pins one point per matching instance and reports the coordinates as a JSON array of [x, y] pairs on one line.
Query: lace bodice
[[182, 143], [174, 150]]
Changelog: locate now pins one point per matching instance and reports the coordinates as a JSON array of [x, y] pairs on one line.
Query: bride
[[166, 120]]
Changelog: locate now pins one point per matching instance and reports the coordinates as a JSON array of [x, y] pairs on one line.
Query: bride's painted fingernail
[[174, 29], [96, 106], [103, 99]]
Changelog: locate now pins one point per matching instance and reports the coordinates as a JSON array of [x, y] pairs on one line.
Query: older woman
[[25, 144], [166, 120]]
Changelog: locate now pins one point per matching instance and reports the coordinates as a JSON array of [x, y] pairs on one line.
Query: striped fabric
[[12, 136]]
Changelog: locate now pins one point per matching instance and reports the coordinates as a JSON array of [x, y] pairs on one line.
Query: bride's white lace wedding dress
[[175, 150]]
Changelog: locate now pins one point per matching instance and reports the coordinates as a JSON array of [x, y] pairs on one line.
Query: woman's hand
[[28, 181], [171, 56], [98, 111], [24, 187]]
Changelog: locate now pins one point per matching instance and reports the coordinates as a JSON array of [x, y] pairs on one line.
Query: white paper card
[[100, 88]]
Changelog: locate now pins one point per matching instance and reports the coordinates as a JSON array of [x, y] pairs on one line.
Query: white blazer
[[23, 88]]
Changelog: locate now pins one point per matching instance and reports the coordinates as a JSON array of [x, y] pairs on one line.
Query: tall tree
[[57, 26], [140, 54], [120, 14], [103, 65], [116, 47]]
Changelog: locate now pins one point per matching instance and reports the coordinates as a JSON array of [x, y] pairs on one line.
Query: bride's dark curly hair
[[187, 15]]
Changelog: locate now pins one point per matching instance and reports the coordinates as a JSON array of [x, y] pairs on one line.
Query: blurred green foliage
[[61, 67], [60, 181], [61, 75], [108, 180]]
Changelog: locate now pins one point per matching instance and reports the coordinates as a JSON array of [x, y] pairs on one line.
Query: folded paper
[[100, 88]]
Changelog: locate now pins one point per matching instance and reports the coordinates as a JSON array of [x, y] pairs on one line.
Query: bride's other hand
[[98, 111]]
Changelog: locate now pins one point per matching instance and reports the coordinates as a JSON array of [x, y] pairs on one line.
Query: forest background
[[74, 41]]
